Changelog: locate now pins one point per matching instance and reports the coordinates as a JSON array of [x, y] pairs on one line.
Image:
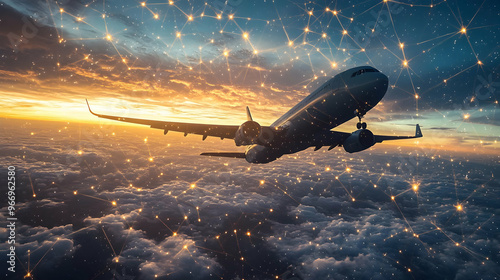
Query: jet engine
[[359, 140], [247, 133]]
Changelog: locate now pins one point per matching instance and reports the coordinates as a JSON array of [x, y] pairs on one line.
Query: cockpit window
[[361, 71]]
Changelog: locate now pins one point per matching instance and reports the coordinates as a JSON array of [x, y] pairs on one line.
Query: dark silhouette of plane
[[349, 94]]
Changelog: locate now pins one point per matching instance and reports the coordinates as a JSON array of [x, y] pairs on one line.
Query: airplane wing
[[222, 131], [335, 138], [380, 138]]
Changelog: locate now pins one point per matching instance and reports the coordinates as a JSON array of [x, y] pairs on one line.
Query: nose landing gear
[[360, 114]]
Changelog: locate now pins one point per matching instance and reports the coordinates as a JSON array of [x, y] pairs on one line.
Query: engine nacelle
[[247, 133], [262, 154], [359, 140]]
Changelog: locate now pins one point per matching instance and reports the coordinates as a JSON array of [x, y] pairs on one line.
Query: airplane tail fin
[[224, 154], [249, 115]]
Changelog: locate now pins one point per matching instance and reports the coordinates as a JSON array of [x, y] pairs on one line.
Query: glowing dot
[[231, 16], [271, 210], [128, 160], [417, 96], [175, 234], [262, 182], [402, 45], [178, 34], [323, 35], [459, 208], [143, 4], [113, 203], [290, 43], [457, 244], [335, 12], [185, 247], [415, 187], [219, 16], [28, 275], [109, 37], [405, 63], [353, 199], [336, 177], [156, 16], [171, 2], [80, 152], [245, 35], [348, 169], [255, 51], [334, 65], [393, 197], [226, 53], [217, 237], [327, 169], [444, 81], [344, 32], [248, 233], [463, 30], [466, 116], [79, 19], [34, 195], [306, 29], [75, 192], [190, 18], [327, 9], [61, 10], [185, 217], [479, 62], [193, 186]]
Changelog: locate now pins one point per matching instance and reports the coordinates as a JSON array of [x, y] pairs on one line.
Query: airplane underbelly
[[334, 109]]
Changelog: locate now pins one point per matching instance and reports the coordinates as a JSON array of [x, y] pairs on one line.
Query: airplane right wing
[[380, 138], [354, 142]]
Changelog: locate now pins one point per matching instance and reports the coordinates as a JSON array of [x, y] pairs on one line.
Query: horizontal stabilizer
[[224, 154]]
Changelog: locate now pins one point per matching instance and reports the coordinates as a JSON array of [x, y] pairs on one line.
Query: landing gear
[[360, 125]]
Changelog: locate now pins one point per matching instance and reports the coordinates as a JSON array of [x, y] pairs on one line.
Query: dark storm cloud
[[21, 32]]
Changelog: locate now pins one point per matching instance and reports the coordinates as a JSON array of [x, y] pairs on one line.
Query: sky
[[98, 199], [202, 62]]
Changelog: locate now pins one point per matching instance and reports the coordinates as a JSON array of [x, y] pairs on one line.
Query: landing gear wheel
[[360, 114]]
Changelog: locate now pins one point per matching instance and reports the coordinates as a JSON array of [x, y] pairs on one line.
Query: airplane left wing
[[222, 131]]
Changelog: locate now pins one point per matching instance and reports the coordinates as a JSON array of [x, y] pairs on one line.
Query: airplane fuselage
[[340, 99]]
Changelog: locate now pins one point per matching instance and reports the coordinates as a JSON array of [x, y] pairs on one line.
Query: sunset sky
[[204, 62], [100, 199]]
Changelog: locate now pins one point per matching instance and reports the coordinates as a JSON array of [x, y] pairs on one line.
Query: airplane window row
[[361, 71]]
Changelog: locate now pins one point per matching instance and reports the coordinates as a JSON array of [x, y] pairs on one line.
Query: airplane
[[347, 95]]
